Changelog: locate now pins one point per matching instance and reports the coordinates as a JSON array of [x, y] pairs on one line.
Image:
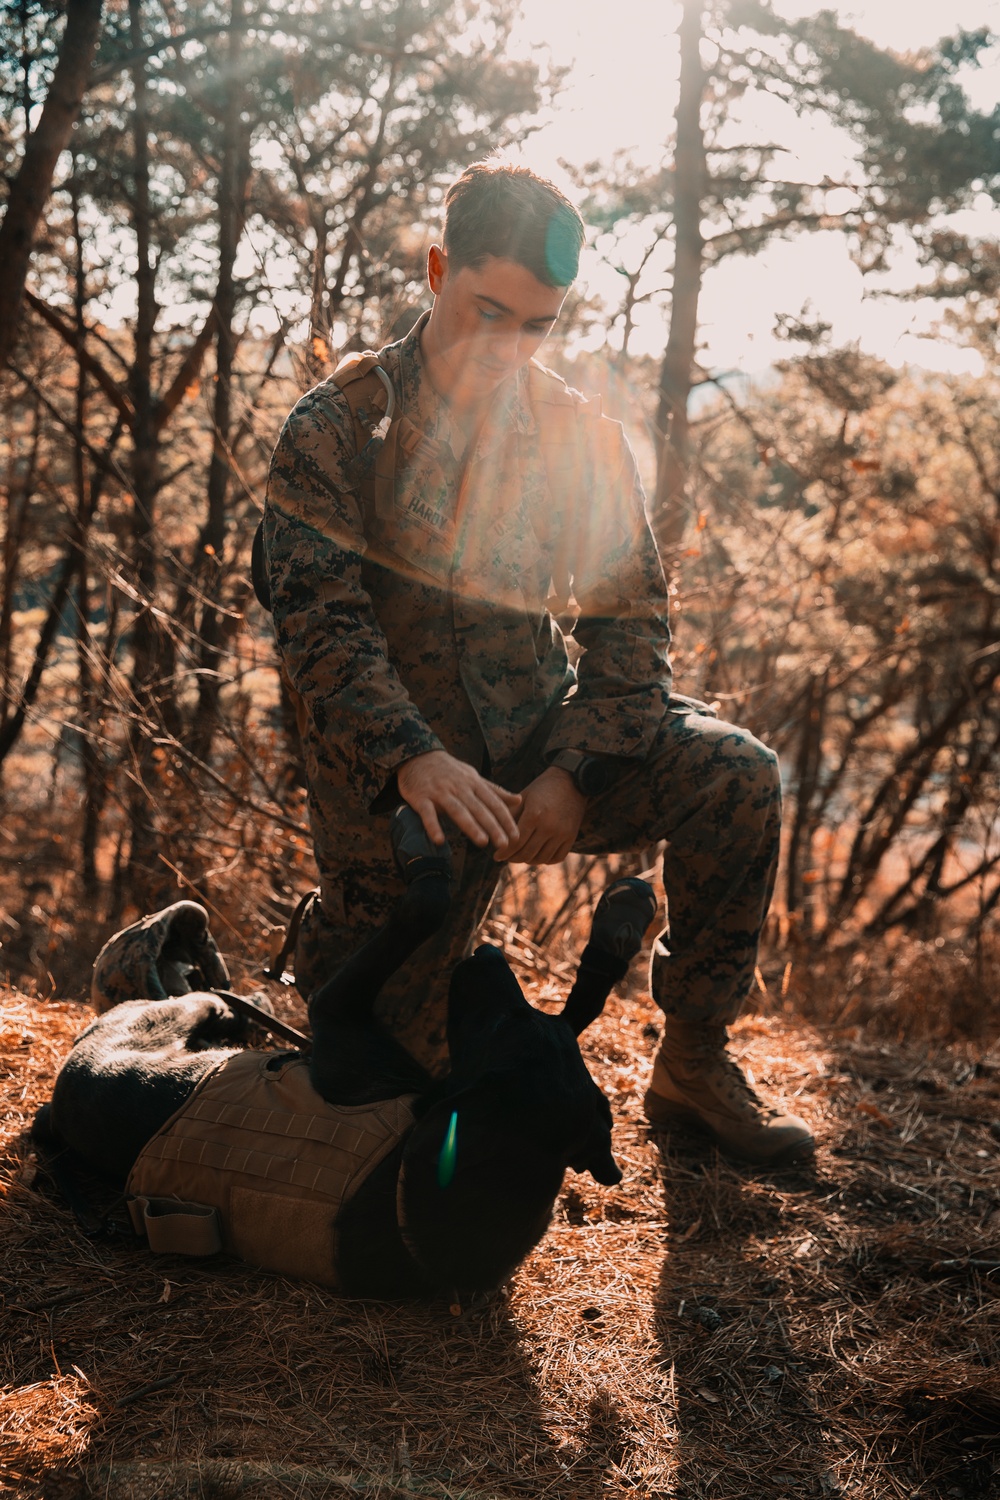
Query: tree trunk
[[75, 558], [364, 199], [86, 488], [15, 721], [808, 762], [146, 686], [33, 183], [670, 502], [18, 491], [93, 778], [234, 173], [318, 354], [15, 717]]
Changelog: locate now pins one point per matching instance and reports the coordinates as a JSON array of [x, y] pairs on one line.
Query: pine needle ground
[[703, 1332]]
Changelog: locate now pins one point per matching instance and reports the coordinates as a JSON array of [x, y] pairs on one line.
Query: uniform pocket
[[680, 703]]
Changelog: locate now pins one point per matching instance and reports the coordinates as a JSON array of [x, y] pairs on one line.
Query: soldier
[[430, 511]]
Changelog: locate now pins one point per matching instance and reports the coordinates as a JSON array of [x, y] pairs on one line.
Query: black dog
[[467, 1190]]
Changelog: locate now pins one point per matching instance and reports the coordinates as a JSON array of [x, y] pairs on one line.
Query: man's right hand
[[436, 784]]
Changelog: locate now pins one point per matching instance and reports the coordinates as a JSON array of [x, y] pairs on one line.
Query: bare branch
[[85, 359]]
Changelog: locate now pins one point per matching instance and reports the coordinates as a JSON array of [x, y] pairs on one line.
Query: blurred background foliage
[[207, 206]]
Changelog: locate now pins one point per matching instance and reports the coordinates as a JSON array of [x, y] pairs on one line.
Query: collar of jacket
[[509, 410]]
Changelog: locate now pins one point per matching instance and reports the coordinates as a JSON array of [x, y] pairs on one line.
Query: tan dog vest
[[256, 1163]]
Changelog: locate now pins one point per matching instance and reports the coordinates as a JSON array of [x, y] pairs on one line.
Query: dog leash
[[262, 1017], [276, 972]]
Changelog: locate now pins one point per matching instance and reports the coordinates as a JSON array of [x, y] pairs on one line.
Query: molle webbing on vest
[[272, 1158]]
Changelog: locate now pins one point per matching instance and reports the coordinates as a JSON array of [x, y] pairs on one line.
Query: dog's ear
[[595, 1154], [602, 1167]]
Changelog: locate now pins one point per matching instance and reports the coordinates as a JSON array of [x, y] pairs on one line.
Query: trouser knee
[[745, 789], [729, 796]]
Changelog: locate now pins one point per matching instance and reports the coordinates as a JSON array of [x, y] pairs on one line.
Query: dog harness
[[256, 1163]]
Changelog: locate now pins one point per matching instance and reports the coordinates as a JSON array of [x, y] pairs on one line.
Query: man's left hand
[[549, 820]]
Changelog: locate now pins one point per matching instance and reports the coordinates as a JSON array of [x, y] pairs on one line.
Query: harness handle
[[245, 1007]]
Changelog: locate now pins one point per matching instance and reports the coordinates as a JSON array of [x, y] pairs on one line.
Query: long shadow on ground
[[748, 1427], [835, 1332], [145, 1377]]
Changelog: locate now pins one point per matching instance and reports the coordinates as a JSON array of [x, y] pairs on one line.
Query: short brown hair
[[498, 209]]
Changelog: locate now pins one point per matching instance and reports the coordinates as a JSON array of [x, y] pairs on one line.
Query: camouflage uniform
[[427, 623]]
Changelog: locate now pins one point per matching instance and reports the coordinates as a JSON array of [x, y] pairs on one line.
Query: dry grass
[[702, 1331]]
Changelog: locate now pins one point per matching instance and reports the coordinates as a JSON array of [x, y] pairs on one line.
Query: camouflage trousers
[[709, 789]]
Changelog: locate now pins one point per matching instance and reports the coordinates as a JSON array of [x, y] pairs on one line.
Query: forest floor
[[703, 1332]]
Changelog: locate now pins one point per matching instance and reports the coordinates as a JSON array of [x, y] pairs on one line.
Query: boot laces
[[712, 1046]]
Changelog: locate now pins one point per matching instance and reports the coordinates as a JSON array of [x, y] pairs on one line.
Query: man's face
[[486, 323]]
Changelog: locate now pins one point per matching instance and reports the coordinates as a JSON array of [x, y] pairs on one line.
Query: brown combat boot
[[696, 1082]]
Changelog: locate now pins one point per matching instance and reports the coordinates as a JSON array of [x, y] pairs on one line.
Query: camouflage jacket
[[430, 624]]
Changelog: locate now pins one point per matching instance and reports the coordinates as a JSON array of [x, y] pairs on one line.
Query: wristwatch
[[591, 775]]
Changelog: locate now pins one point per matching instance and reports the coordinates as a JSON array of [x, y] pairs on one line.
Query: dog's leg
[[353, 1060], [623, 913]]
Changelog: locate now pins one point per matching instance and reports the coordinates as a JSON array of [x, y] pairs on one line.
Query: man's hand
[[549, 820], [436, 784]]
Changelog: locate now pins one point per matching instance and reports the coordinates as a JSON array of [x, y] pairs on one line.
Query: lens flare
[[446, 1160]]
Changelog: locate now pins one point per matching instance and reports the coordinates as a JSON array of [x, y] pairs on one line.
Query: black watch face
[[592, 777]]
